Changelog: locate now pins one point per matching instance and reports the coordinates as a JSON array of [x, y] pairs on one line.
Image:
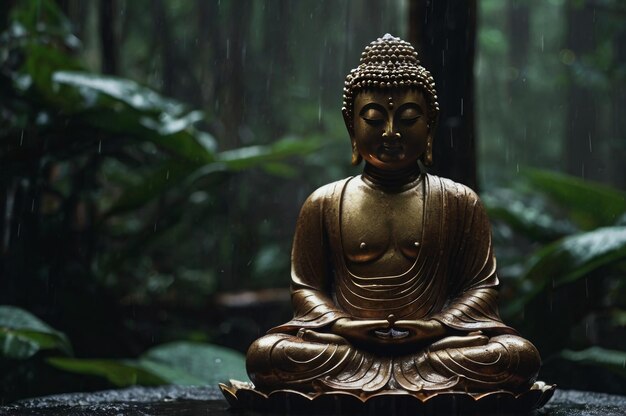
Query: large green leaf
[[526, 216], [153, 184], [590, 204], [182, 363], [171, 374], [571, 258], [122, 106], [22, 334], [41, 15], [208, 363], [119, 372], [42, 61], [614, 360], [94, 88], [247, 157], [175, 174], [16, 346], [577, 255]]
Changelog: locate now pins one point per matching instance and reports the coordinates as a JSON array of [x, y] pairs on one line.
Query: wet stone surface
[[185, 400]]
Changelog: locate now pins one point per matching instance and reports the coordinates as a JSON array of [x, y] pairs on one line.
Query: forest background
[[154, 155]]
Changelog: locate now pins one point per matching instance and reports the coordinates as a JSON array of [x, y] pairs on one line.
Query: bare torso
[[380, 231]]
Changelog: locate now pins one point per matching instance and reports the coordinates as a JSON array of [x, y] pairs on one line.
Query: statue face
[[391, 128]]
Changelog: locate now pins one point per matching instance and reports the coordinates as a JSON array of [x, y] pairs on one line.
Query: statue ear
[[427, 157], [356, 156], [348, 122]]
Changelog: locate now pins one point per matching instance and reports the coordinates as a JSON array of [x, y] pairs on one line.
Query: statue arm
[[473, 305], [311, 270]]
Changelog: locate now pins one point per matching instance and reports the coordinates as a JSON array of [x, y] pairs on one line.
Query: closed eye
[[374, 121], [409, 120], [409, 114], [372, 115]]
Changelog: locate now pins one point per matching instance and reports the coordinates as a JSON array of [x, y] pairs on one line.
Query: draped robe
[[452, 281]]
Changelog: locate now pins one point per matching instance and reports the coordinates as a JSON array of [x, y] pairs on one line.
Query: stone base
[[186, 400], [243, 396]]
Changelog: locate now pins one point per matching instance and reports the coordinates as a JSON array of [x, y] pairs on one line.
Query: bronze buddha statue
[[393, 277]]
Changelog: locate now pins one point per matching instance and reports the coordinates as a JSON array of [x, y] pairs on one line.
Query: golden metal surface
[[241, 396], [393, 278]]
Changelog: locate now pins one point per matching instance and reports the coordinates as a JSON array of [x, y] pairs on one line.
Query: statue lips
[[393, 150], [392, 146]]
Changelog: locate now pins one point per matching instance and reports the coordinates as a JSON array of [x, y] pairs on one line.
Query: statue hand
[[358, 330], [321, 337], [473, 339]]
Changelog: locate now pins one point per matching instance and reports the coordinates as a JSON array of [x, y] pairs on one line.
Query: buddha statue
[[393, 275]]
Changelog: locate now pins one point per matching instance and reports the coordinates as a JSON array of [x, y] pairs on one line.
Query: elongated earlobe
[[427, 158], [356, 156]]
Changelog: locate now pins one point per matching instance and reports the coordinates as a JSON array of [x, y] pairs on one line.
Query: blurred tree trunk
[[617, 145], [217, 53], [77, 12], [64, 5], [444, 34], [232, 100], [518, 17], [108, 41], [581, 111], [207, 22], [162, 31], [276, 24], [5, 11], [232, 49]]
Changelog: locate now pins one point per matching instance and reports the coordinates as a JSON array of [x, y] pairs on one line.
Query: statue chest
[[381, 233]]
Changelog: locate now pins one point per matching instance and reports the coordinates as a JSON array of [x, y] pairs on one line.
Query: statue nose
[[390, 134]]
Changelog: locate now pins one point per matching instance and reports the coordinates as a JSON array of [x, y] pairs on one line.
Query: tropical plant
[[99, 178], [23, 336], [569, 292]]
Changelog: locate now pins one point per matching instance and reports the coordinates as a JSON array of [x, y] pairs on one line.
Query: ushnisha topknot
[[389, 62]]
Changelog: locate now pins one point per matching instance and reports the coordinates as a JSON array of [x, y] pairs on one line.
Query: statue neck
[[395, 180]]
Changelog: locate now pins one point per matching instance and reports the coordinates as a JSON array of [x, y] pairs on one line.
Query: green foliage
[[569, 259], [527, 215], [22, 335], [589, 205], [197, 363], [116, 154], [574, 276], [174, 363], [119, 373], [537, 65], [250, 156], [611, 359], [118, 200]]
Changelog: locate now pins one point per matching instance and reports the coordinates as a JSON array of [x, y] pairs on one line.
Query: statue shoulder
[[455, 190], [321, 200], [324, 193]]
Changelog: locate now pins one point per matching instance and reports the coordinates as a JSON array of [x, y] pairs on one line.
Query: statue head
[[389, 69]]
